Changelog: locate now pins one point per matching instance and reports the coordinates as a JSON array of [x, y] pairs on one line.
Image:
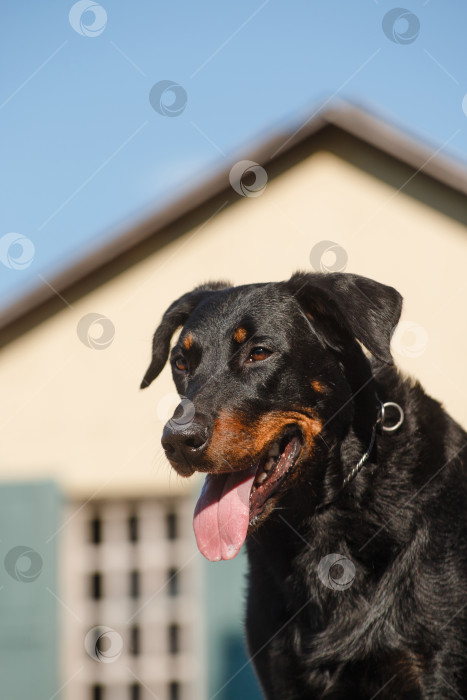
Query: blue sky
[[84, 152]]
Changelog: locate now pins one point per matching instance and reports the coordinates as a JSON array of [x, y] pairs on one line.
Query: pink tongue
[[222, 514]]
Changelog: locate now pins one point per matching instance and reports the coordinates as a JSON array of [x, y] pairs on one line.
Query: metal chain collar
[[380, 422]]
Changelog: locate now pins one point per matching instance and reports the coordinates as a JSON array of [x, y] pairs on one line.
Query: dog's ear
[[175, 316], [368, 309]]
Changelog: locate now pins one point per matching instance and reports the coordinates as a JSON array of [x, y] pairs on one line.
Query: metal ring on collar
[[397, 425]]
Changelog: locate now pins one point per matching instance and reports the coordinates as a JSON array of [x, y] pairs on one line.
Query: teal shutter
[[29, 519], [230, 674]]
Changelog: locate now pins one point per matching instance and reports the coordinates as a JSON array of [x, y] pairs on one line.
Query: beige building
[[343, 192]]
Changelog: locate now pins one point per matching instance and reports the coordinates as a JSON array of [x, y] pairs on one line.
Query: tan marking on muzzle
[[239, 443]]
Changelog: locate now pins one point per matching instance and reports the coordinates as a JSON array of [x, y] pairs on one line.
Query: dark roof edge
[[349, 118], [401, 145]]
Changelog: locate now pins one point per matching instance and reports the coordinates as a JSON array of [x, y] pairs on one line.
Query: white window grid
[[169, 662]]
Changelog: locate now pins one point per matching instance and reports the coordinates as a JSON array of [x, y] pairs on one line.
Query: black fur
[[399, 628]]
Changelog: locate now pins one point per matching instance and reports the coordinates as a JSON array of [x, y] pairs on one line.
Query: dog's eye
[[259, 354], [180, 364]]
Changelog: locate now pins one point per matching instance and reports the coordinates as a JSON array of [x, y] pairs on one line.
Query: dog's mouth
[[272, 470], [232, 503]]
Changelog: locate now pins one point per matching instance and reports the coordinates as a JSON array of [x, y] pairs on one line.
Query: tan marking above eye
[[240, 335], [318, 386], [188, 342]]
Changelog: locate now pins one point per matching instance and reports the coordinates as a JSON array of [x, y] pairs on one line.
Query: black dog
[[356, 534]]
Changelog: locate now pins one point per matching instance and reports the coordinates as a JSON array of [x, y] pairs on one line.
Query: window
[[174, 691], [135, 691], [174, 639], [133, 528], [134, 584], [171, 526], [97, 692], [124, 533], [96, 585], [135, 640], [173, 582], [96, 530]]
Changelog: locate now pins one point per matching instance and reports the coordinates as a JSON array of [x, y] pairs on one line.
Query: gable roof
[[275, 154]]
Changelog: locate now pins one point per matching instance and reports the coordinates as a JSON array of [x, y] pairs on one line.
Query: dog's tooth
[[274, 450], [269, 464], [261, 478]]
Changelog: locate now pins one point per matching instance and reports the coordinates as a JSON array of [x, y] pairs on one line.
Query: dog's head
[[267, 374]]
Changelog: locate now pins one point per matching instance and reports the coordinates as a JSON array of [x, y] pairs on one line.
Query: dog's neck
[[329, 513]]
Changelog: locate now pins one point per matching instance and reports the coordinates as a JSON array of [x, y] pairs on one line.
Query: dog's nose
[[185, 443]]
